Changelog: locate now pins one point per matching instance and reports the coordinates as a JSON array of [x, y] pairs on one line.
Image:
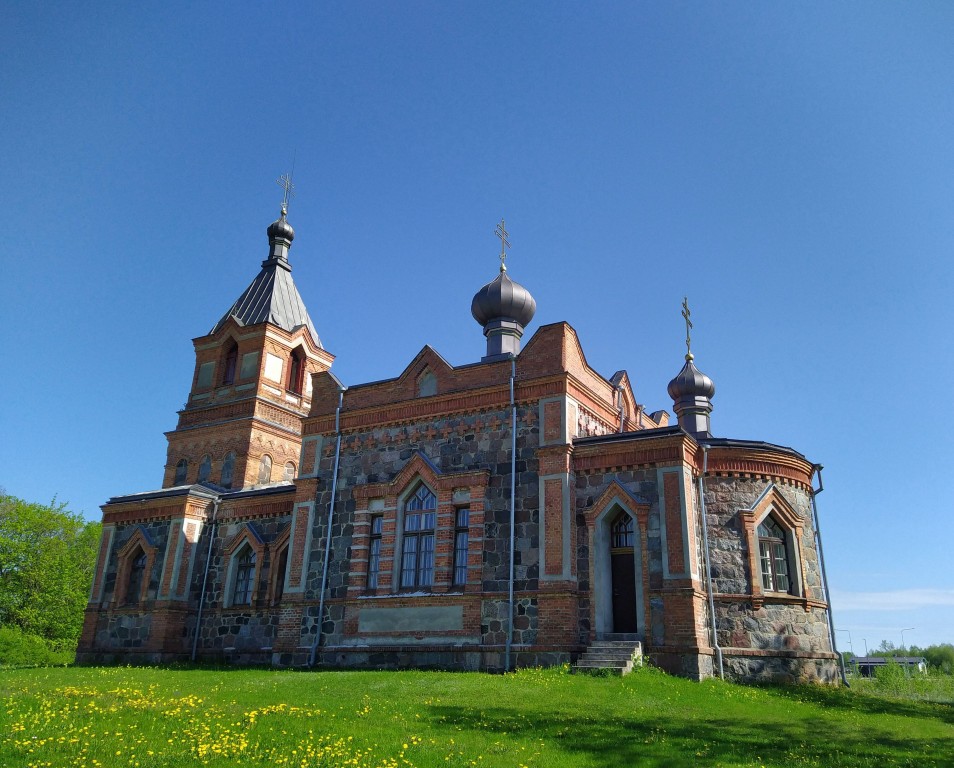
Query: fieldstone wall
[[461, 443]]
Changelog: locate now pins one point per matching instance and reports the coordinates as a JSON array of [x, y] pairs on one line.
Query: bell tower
[[241, 425]]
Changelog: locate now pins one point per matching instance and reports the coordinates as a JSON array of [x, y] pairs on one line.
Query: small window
[[289, 473], [182, 471], [461, 538], [137, 571], [417, 563], [265, 469], [244, 578], [623, 532], [231, 359], [228, 468], [374, 551], [427, 384], [296, 371], [205, 468], [773, 557]]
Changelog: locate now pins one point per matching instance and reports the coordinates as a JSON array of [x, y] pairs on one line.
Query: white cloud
[[892, 600]]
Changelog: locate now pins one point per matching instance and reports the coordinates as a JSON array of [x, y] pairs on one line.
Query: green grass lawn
[[167, 717]]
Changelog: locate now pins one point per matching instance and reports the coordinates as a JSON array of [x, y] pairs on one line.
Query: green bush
[[21, 650]]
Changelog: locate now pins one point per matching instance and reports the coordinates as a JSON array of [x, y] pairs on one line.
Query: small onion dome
[[690, 382], [281, 229], [501, 299]]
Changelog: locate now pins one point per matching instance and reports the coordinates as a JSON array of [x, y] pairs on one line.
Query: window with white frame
[[244, 577], [417, 558], [374, 551], [773, 556], [461, 541]]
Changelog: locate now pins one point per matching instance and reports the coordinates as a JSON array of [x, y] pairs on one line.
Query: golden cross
[[685, 315], [285, 182], [502, 233]]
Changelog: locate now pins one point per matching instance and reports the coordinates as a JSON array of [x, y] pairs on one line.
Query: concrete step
[[614, 655]]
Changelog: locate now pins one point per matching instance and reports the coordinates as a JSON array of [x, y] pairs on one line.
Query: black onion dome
[[501, 299], [281, 230], [691, 382]]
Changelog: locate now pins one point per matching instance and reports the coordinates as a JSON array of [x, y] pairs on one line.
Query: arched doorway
[[623, 573]]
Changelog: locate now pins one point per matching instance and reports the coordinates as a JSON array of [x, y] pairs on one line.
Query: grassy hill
[[149, 717]]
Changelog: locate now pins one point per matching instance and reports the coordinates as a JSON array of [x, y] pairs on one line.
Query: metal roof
[[271, 298]]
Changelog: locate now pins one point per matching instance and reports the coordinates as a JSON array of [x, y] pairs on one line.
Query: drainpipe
[[331, 516], [705, 539], [513, 496], [821, 560], [205, 577]]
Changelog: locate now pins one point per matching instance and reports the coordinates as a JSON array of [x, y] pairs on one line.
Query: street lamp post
[[908, 629], [850, 644]]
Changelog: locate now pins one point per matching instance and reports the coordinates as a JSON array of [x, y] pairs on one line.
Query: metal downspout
[[331, 515], [513, 496], [705, 539], [821, 560], [205, 577]]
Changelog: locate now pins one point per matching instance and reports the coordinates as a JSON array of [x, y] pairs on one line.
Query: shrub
[[21, 650]]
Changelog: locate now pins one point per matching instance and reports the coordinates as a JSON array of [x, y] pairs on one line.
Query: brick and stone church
[[512, 511]]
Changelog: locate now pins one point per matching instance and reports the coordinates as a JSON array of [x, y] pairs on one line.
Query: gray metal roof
[[273, 298]]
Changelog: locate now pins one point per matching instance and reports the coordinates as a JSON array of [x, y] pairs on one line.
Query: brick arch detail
[[125, 557], [771, 501]]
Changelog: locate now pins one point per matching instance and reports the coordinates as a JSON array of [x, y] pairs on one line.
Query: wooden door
[[624, 574]]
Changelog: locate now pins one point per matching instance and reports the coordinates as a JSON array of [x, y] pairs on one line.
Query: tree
[[47, 557]]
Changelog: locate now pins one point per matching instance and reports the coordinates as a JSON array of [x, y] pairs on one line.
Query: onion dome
[[503, 299], [691, 391], [690, 382], [281, 229]]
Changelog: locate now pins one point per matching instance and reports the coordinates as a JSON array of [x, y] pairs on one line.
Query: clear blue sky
[[789, 167]]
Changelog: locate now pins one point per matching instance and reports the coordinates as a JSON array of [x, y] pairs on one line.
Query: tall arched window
[[231, 360], [289, 473], [205, 468], [773, 556], [265, 469], [228, 467], [417, 562], [182, 471], [296, 371], [137, 571], [244, 578]]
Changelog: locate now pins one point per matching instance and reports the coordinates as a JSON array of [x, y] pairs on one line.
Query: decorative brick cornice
[[759, 462], [435, 407], [666, 451]]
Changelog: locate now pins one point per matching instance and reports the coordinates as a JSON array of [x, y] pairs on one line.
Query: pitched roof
[[271, 298]]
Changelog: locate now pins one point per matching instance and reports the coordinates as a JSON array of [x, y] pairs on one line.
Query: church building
[[513, 511]]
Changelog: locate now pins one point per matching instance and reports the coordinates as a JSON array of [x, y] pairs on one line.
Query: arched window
[[244, 578], [182, 471], [374, 551], [265, 469], [205, 468], [427, 384], [228, 467], [231, 360], [289, 473], [137, 571], [773, 556], [296, 371], [622, 532], [417, 562]]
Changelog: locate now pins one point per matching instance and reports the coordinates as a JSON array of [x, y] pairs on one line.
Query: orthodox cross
[[502, 233], [685, 315], [285, 182]]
